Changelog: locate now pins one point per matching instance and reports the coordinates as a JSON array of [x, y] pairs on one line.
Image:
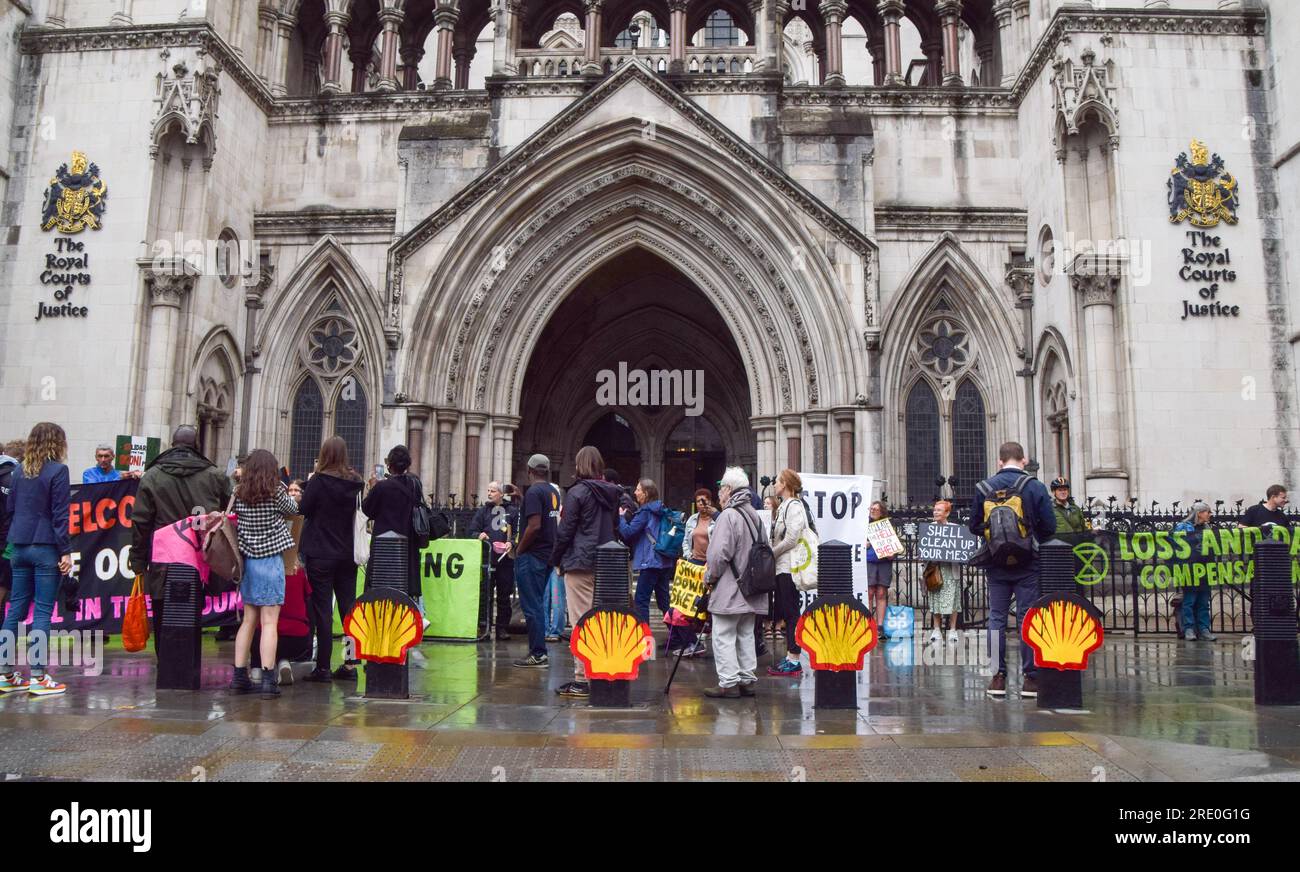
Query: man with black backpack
[[1012, 512]]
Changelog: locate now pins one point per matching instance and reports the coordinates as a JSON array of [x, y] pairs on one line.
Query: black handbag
[[422, 520], [70, 594]]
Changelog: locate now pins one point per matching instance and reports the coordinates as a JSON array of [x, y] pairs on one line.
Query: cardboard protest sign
[[883, 538], [134, 452], [688, 584]]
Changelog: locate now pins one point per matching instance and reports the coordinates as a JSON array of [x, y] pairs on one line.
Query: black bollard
[[1057, 688], [390, 559], [179, 645], [611, 592], [1272, 611], [835, 689]]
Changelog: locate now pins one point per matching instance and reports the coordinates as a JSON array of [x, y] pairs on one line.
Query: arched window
[[922, 425], [305, 429], [968, 440], [720, 29], [350, 417]]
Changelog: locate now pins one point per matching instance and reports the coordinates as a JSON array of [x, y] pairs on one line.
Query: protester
[[625, 501], [262, 505], [947, 599], [1196, 597], [174, 485], [329, 504], [37, 508], [10, 456], [587, 521], [103, 470], [293, 633], [880, 572], [1069, 517], [695, 548], [539, 517], [556, 599], [1021, 581], [1268, 513], [295, 490], [788, 526], [736, 530], [495, 523], [389, 504], [640, 534]]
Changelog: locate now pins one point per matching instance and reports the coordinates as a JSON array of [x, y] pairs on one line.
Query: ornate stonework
[[318, 222], [188, 97]]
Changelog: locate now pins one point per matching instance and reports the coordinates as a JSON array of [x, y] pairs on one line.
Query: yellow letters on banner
[[688, 584]]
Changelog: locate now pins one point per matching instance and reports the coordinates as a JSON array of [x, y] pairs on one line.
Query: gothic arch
[[947, 290], [213, 392], [1058, 410]]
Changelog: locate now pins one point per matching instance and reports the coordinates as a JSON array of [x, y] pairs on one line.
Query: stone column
[[473, 429], [391, 19], [933, 51], [447, 419], [279, 66], [833, 14], [792, 429], [463, 56], [506, 14], [55, 14], [122, 16], [767, 33], [985, 51], [677, 36], [411, 56], [416, 419], [591, 39], [445, 21], [264, 60], [1097, 284], [333, 60], [817, 424], [891, 12], [950, 16], [765, 445], [167, 285], [1008, 44], [360, 57], [876, 49], [844, 420], [503, 427]]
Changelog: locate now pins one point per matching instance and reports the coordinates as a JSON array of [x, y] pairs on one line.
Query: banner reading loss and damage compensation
[[1174, 558], [99, 524]]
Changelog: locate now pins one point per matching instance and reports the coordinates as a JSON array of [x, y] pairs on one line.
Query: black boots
[[270, 690], [239, 682]]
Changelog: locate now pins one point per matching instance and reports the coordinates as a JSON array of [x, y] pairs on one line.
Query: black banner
[[945, 543]]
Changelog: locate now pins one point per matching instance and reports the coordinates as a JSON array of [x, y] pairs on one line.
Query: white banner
[[839, 506]]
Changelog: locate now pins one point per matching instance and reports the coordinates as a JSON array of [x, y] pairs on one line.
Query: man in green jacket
[[1069, 517], [178, 483]]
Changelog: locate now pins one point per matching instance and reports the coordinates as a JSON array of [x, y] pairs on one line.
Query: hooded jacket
[[178, 481], [638, 534], [8, 465], [734, 533], [589, 519], [329, 505]]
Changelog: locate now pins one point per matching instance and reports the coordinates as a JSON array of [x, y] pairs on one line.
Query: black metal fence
[[1129, 599]]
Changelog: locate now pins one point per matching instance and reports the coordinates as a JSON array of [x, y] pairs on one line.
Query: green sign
[[1226, 556], [451, 572], [134, 452]]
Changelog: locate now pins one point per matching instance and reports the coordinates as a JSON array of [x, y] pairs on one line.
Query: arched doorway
[[637, 361]]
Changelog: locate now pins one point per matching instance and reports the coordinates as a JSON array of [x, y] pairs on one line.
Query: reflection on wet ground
[[1156, 709]]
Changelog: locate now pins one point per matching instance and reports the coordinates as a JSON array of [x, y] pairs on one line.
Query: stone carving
[[190, 98], [1082, 89]]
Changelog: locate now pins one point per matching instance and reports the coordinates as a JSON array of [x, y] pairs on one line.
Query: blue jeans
[[35, 575], [1000, 592], [650, 581], [1196, 609], [556, 605], [531, 574]]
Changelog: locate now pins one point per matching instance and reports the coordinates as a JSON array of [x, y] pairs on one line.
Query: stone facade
[[434, 241]]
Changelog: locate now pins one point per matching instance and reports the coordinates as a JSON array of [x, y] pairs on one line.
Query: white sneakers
[[43, 686]]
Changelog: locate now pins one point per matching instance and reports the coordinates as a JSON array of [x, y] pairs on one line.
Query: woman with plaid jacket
[[261, 506]]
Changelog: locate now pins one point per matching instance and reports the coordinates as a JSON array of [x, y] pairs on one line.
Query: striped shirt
[[262, 529]]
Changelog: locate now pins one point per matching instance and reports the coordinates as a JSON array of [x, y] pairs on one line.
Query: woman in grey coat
[[736, 529]]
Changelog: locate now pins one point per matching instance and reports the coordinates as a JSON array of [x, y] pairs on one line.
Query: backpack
[[759, 576], [1006, 530], [672, 531]]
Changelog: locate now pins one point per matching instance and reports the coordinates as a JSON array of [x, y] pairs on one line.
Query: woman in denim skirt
[[261, 505]]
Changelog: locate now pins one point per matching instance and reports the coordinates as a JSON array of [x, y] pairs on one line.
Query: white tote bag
[[803, 561], [360, 536]]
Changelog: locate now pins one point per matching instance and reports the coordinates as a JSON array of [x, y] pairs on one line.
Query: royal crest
[[75, 198], [1201, 191]]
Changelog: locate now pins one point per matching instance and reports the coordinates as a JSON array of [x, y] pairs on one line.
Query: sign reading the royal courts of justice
[[1204, 194], [74, 201]]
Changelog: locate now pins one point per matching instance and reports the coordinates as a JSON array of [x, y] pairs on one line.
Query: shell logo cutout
[[837, 632], [1063, 629], [384, 624], [611, 643]]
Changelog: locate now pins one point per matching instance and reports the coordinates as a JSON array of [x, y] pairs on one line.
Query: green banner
[[450, 580]]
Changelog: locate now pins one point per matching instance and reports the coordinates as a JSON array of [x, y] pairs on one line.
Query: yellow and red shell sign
[[384, 624], [837, 632], [611, 643], [1063, 629]]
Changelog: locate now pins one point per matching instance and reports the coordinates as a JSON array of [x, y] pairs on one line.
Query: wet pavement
[[1156, 710]]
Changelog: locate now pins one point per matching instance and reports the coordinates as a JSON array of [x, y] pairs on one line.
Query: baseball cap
[[539, 462]]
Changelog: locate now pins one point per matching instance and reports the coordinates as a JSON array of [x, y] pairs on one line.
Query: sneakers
[[722, 692], [998, 686], [534, 661], [284, 671], [240, 682], [1207, 636], [45, 686], [935, 637], [1189, 635], [696, 649], [12, 682], [953, 638], [786, 668], [575, 690], [1029, 686]]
